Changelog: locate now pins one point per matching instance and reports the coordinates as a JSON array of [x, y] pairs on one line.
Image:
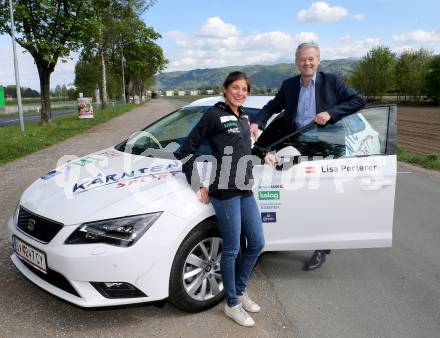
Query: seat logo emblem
[[31, 225]]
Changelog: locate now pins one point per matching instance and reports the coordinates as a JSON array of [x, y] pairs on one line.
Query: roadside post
[[17, 75], [2, 99]]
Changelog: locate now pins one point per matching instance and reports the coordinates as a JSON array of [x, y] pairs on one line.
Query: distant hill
[[261, 76]]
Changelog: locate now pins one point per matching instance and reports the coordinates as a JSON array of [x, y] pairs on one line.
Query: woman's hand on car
[[271, 160], [202, 195], [254, 131]]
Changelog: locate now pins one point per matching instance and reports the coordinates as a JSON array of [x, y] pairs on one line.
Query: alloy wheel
[[201, 272]]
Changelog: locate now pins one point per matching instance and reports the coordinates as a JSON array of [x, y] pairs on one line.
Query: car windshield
[[170, 132]]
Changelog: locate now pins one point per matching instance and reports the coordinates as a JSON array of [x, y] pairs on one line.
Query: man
[[311, 96]]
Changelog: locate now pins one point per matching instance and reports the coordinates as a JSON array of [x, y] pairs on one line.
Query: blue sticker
[[268, 217]]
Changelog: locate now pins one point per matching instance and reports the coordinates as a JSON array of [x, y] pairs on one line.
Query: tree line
[[413, 75], [26, 92], [106, 32]]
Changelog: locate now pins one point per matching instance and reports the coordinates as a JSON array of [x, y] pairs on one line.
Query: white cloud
[[196, 51], [418, 36], [64, 72], [306, 37], [255, 48], [209, 48], [192, 50], [356, 48], [322, 12], [359, 17], [403, 48], [216, 28], [178, 37]]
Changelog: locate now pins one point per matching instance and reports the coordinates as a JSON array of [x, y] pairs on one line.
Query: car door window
[[360, 134]]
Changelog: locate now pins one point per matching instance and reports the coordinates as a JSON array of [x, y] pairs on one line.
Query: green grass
[[15, 144], [32, 112], [430, 161], [14, 102]]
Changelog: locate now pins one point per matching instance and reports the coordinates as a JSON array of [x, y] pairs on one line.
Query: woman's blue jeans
[[238, 215]]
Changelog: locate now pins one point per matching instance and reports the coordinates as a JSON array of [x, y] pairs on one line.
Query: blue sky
[[205, 34]]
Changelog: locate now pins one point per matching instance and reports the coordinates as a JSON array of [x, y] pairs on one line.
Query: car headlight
[[123, 231], [15, 215]]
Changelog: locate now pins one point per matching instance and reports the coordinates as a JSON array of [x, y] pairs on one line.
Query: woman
[[227, 130]]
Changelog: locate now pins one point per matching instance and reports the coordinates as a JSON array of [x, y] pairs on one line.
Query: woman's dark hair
[[234, 76]]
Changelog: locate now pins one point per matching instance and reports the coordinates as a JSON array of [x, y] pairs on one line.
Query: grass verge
[[429, 161], [32, 112], [35, 100], [15, 144]]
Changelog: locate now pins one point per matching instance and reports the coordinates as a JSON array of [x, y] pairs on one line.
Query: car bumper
[[146, 265]]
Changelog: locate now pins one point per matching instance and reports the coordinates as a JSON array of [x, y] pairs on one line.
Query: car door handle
[[280, 166], [370, 184]]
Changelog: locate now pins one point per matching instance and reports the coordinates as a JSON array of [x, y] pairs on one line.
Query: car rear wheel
[[195, 280]]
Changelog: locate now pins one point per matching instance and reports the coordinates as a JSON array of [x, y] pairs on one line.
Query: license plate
[[28, 253]]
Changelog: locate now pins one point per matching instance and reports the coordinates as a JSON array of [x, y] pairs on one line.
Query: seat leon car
[[122, 225]]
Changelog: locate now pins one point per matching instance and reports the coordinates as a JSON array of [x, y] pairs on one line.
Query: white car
[[122, 226]]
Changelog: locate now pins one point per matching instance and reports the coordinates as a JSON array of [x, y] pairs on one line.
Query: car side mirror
[[288, 157], [288, 151]]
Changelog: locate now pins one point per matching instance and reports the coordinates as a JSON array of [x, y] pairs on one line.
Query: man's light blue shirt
[[306, 110]]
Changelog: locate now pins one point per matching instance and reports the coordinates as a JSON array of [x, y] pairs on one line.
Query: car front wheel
[[195, 280]]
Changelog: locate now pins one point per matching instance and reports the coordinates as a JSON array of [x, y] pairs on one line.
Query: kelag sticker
[[269, 195]]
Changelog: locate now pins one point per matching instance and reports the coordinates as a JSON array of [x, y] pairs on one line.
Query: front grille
[[54, 278], [37, 227]]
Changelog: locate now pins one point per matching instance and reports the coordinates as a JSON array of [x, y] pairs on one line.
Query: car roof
[[251, 101]]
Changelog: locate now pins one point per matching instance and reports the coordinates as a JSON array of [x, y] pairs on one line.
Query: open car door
[[335, 186]]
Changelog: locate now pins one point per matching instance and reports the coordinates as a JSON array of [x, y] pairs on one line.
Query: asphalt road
[[13, 119], [391, 292]]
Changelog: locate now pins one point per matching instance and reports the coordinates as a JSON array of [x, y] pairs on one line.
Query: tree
[[58, 91], [433, 80], [373, 76], [26, 92], [49, 30], [64, 91], [88, 78], [410, 72], [113, 21], [144, 60], [72, 94]]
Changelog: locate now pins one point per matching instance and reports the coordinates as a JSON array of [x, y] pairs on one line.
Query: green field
[[32, 112], [15, 144], [14, 102], [430, 161]]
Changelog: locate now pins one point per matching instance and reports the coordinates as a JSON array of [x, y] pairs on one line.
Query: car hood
[[103, 185]]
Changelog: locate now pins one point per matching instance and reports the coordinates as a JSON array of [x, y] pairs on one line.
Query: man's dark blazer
[[331, 95]]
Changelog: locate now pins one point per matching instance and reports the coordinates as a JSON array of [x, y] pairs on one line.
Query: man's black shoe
[[315, 261]]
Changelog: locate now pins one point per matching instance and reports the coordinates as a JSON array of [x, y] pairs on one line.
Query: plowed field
[[418, 129]]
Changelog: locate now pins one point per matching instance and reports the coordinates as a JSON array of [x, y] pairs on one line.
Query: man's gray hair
[[307, 45]]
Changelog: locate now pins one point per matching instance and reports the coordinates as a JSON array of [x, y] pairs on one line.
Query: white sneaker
[[248, 303], [239, 315]]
